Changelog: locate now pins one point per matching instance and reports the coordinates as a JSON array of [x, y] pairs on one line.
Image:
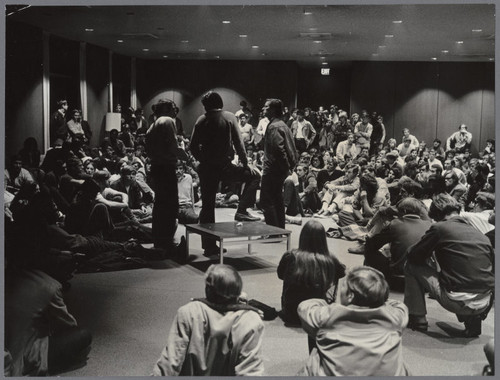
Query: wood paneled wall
[[432, 99]]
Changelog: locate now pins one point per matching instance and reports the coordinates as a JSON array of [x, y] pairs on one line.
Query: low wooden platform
[[238, 233]]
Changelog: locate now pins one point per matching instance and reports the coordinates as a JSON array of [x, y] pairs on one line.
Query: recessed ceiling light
[[185, 41], [119, 41], [324, 63], [491, 59], [389, 35], [382, 46], [375, 54], [243, 35], [445, 51], [313, 29], [145, 49], [202, 50], [264, 54], [397, 22], [322, 57], [255, 46], [89, 29], [165, 56], [226, 22], [434, 58], [460, 42], [307, 13], [477, 30], [317, 42], [217, 56]]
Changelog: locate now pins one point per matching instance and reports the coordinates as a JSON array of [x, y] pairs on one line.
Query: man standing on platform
[[214, 135], [161, 146], [280, 157]]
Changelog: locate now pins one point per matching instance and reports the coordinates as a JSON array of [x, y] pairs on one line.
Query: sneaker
[[245, 217], [357, 250]]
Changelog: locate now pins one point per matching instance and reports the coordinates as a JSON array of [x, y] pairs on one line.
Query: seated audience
[[217, 335], [361, 335], [186, 215], [308, 190], [460, 140], [16, 175]]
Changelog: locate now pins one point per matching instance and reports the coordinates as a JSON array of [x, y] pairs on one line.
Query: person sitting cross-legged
[[465, 281], [217, 335]]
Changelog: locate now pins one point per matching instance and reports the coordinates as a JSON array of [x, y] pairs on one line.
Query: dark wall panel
[[186, 81], [415, 105], [316, 90], [97, 90], [23, 86]]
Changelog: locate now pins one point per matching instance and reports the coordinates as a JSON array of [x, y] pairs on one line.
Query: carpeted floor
[[130, 312]]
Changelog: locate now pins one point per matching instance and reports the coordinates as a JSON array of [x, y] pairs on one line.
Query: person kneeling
[[216, 335], [364, 306]]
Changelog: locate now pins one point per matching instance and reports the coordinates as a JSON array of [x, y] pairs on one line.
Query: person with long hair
[[308, 272]]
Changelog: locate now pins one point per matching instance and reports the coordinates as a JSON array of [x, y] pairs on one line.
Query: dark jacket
[[214, 135], [280, 155], [464, 254]]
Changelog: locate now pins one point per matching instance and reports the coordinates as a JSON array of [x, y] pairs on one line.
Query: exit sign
[[325, 71]]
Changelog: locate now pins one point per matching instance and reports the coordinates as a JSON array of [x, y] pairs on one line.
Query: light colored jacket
[[206, 342]]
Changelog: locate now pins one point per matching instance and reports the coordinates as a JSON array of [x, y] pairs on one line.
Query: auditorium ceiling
[[314, 36]]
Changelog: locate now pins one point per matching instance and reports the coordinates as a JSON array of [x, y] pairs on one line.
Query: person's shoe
[[358, 250], [472, 327], [181, 252], [417, 323], [211, 252], [245, 217]]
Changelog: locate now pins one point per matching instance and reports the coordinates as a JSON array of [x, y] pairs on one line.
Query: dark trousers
[[68, 348], [375, 259], [166, 205], [271, 199], [291, 199], [210, 176]]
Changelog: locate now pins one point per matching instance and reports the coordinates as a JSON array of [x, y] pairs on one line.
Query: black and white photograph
[[238, 188]]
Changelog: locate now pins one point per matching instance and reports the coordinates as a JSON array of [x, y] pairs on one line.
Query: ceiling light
[[445, 51], [313, 29], [491, 59], [202, 50], [165, 56], [317, 42], [226, 22], [434, 58], [217, 56], [119, 41], [264, 54], [382, 46], [145, 49], [185, 41], [375, 54], [460, 42], [389, 35], [477, 30], [324, 63], [255, 46], [397, 22], [243, 35], [307, 13], [322, 57], [89, 29]]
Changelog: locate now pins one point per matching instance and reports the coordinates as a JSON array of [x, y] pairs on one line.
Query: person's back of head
[[409, 206], [366, 287], [164, 107], [443, 205], [212, 100], [223, 284]]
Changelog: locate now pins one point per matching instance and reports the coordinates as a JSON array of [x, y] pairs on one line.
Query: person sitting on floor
[[308, 272], [217, 335], [465, 281], [361, 335], [186, 215]]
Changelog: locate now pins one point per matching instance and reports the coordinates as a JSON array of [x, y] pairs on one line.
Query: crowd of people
[[419, 211]]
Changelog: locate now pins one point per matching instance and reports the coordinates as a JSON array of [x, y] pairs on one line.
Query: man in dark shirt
[[465, 281], [214, 135], [161, 146], [58, 121]]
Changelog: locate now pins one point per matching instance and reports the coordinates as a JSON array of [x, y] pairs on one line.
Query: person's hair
[[277, 106], [368, 182], [243, 103], [368, 287], [163, 107], [453, 176], [317, 156], [482, 168], [396, 171], [443, 205], [485, 200], [127, 169], [61, 102], [76, 110], [438, 168], [315, 266], [413, 188], [391, 141], [212, 100], [223, 284], [89, 188], [243, 115], [411, 169], [354, 167], [408, 206], [437, 140]]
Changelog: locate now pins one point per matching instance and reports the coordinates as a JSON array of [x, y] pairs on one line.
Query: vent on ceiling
[[316, 36], [140, 36]]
